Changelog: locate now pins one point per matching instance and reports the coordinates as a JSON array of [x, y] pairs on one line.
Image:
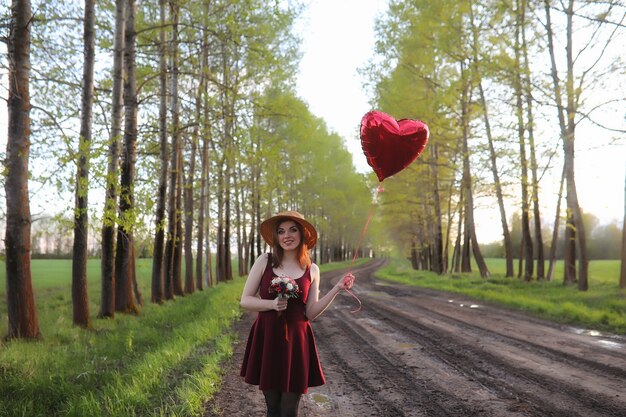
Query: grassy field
[[163, 362], [602, 307]]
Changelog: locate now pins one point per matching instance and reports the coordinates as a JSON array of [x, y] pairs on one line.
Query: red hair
[[302, 251]]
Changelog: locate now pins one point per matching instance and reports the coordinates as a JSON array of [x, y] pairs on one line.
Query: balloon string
[[358, 246], [356, 310]]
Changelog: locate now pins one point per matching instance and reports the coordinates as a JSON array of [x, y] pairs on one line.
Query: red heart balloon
[[391, 146]]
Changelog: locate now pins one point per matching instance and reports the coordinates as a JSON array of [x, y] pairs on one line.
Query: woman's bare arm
[[316, 306], [250, 299]]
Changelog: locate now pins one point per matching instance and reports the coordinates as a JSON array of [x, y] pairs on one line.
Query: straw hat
[[268, 226]]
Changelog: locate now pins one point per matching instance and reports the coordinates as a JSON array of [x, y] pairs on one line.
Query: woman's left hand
[[346, 282]]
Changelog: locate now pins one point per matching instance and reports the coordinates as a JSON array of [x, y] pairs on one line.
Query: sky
[[338, 38]]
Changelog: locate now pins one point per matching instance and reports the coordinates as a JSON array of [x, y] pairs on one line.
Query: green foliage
[[308, 168], [603, 307]]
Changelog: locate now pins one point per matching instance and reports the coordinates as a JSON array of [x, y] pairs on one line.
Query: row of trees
[[605, 240], [503, 85], [52, 237], [189, 130]]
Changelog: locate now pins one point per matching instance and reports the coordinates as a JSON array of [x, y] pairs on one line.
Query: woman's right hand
[[279, 304]]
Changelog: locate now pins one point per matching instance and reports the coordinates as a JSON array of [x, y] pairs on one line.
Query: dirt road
[[417, 352]]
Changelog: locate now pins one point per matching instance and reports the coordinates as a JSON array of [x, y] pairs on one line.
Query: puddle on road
[[587, 332], [465, 305], [321, 400], [596, 335], [611, 345]]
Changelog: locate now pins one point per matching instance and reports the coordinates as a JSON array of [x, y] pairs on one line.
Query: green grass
[[164, 362], [602, 307]]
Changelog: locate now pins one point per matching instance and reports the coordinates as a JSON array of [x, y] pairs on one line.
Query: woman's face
[[288, 235]]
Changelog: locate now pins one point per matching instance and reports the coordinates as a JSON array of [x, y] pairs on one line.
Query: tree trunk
[[259, 241], [426, 256], [506, 234], [568, 155], [569, 251], [622, 275], [124, 301], [80, 299], [22, 313], [178, 243], [174, 233], [248, 258], [438, 264], [239, 219], [555, 231], [414, 260], [449, 220], [158, 290], [190, 286], [201, 209], [527, 87], [466, 182], [250, 255], [107, 263], [228, 268], [204, 170], [575, 225], [456, 253], [219, 261], [466, 264], [470, 228], [224, 229], [208, 265], [517, 84]]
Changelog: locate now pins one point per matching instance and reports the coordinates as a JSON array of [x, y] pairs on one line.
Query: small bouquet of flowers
[[284, 287]]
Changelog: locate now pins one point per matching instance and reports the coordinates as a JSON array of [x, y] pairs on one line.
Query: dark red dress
[[281, 352]]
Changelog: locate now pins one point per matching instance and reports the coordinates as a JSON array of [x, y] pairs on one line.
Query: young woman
[[281, 356]]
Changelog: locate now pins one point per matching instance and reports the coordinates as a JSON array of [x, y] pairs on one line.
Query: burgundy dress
[[281, 352]]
